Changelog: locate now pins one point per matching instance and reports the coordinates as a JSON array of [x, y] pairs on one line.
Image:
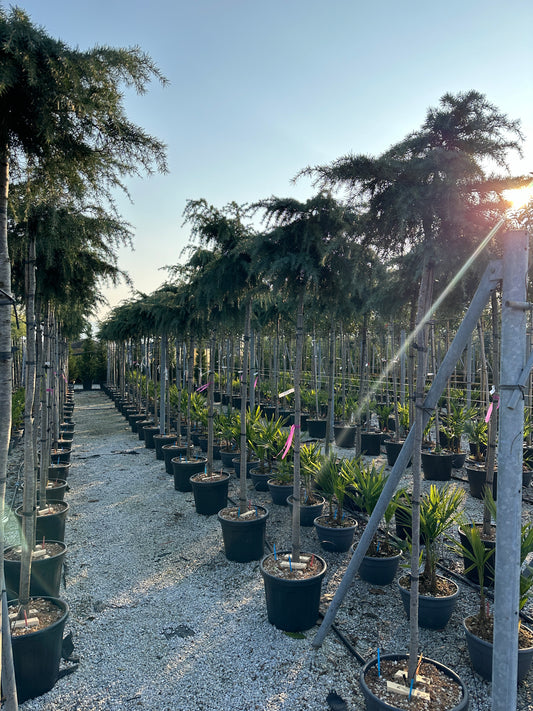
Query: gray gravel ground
[[161, 620]]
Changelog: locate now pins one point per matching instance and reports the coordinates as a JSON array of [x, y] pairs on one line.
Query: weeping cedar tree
[[64, 117], [224, 280], [291, 257], [430, 192]]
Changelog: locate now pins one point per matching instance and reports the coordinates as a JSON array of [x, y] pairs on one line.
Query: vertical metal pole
[[510, 445], [402, 366]]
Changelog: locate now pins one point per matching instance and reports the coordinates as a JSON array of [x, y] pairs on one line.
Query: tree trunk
[[296, 435], [243, 500], [424, 301]]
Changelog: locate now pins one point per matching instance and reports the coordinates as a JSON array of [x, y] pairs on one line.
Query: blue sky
[[259, 90]]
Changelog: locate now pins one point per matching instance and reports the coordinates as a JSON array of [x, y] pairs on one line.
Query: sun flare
[[519, 197]]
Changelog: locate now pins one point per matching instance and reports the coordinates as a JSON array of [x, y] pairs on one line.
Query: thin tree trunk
[[296, 436], [424, 301], [243, 500], [492, 434], [211, 404]]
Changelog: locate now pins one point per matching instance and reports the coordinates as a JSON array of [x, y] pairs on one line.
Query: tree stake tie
[[290, 564], [379, 664], [275, 554], [411, 689], [288, 442], [312, 561]]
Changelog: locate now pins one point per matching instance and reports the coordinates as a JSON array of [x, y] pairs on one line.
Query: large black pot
[[260, 478], [50, 526], [227, 456], [379, 570], [292, 605], [279, 492], [60, 456], [55, 489], [141, 424], [345, 436], [308, 512], [59, 471], [250, 464], [393, 450], [375, 703], [169, 452], [371, 443], [36, 657], [149, 432], [244, 538], [159, 441], [134, 420], [433, 612], [316, 428], [183, 469], [45, 573], [437, 466], [481, 656], [210, 496], [336, 539]]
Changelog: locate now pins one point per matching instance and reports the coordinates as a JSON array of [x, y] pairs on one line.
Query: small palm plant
[[226, 426], [267, 439], [334, 479], [455, 423], [310, 459], [477, 435]]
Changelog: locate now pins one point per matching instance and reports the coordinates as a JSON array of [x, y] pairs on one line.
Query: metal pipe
[[510, 450]]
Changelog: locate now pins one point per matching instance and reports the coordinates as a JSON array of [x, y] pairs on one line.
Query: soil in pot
[[479, 636], [335, 538], [37, 650], [446, 690], [293, 590], [434, 611], [210, 492], [46, 569], [309, 510], [243, 533]]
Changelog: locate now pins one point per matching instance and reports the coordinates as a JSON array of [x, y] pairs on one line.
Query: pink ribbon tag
[[202, 388], [288, 442], [495, 399], [255, 383]]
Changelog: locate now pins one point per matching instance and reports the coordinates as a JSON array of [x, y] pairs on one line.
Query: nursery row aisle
[[160, 619]]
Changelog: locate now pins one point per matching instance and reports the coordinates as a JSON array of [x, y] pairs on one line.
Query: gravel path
[[161, 620]]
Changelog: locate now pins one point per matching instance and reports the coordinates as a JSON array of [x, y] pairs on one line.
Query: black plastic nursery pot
[[260, 478], [210, 495], [60, 456], [480, 652], [375, 703], [50, 523], [437, 467], [244, 537], [433, 612], [159, 441], [149, 432], [279, 492], [316, 428], [379, 570], [183, 469], [45, 572], [345, 436], [59, 471], [308, 512], [227, 456], [55, 489], [335, 539], [169, 452], [134, 420], [371, 443], [250, 464], [36, 656], [292, 604], [393, 450], [140, 428]]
